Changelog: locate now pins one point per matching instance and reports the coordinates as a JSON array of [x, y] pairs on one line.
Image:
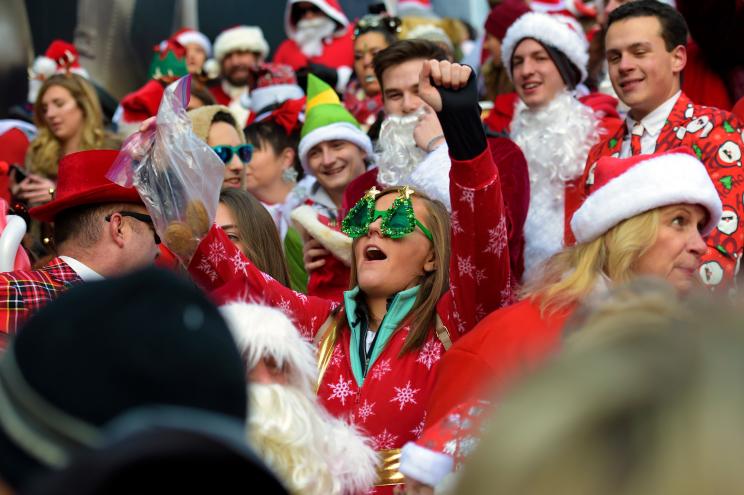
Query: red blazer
[[23, 292]]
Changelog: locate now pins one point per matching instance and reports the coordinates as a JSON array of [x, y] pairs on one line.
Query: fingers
[[436, 71], [424, 75], [147, 123], [448, 75]]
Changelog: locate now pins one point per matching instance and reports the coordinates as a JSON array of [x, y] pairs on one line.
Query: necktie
[[635, 139]]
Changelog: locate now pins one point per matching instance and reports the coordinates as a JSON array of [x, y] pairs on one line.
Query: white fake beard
[[397, 153], [556, 138], [312, 452], [310, 34]]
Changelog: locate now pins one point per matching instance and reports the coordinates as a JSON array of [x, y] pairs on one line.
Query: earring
[[289, 174]]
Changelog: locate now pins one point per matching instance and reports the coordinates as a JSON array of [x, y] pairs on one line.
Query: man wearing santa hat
[[311, 451], [100, 229], [319, 41]]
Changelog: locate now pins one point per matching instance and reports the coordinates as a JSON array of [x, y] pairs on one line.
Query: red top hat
[[81, 180]]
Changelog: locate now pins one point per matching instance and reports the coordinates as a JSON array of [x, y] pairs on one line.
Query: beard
[[312, 452], [397, 153], [310, 34]]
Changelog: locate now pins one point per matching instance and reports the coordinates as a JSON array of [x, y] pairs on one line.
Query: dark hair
[[268, 132], [225, 117], [82, 223], [673, 25], [402, 51], [203, 94]]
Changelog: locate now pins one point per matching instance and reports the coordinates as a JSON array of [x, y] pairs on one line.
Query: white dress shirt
[[652, 124], [84, 272]]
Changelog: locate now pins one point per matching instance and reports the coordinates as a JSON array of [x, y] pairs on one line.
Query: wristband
[[432, 141]]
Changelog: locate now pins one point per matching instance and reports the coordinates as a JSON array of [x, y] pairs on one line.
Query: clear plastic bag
[[177, 175]]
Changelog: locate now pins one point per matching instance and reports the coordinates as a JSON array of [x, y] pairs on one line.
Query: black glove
[[460, 119]]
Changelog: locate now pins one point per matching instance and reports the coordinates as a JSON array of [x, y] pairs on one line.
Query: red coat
[[22, 293], [502, 346], [389, 405], [338, 51], [717, 137]]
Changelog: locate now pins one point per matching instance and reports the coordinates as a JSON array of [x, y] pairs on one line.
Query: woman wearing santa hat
[[645, 215]]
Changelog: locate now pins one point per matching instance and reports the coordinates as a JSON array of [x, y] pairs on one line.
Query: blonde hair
[[433, 284], [571, 275], [45, 150]]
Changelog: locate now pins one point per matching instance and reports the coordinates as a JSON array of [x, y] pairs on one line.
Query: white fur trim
[[425, 465], [44, 66], [245, 38], [338, 243], [343, 74], [665, 180], [261, 331], [549, 30], [432, 175], [342, 131], [335, 14], [195, 37], [261, 98]]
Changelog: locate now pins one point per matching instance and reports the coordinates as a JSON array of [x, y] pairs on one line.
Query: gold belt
[[387, 473]]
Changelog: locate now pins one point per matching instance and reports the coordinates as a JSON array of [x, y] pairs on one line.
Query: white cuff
[[432, 175], [424, 465]]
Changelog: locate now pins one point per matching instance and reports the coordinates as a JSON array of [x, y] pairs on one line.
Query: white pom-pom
[[44, 66], [212, 68]]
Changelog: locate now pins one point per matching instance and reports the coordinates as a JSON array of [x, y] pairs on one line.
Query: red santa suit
[[388, 403], [717, 137], [338, 48]]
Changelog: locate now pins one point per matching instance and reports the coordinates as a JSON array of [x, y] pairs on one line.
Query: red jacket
[[338, 51], [24, 292], [717, 137], [389, 405], [502, 346]]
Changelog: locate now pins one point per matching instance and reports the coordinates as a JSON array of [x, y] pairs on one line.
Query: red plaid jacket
[[23, 292]]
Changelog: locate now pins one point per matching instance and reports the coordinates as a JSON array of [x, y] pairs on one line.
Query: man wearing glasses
[[100, 230]]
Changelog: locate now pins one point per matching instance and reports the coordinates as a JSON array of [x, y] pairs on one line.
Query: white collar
[[84, 272], [654, 121]]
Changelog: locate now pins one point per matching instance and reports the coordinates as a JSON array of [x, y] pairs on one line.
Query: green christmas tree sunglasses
[[397, 221]]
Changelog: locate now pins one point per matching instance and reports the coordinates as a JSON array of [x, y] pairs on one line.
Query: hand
[[442, 74], [427, 129], [147, 123], [313, 254], [34, 189]]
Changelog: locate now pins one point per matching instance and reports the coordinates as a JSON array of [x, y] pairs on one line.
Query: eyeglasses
[[397, 221], [225, 152], [375, 22], [137, 216]]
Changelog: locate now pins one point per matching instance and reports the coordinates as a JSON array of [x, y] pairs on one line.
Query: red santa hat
[[60, 58], [188, 35], [574, 8], [276, 83], [331, 8], [624, 188], [503, 15], [240, 38]]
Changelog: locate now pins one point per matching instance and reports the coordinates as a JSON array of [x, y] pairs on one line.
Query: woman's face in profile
[[62, 115]]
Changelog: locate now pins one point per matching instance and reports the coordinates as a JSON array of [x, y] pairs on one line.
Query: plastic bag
[[177, 175]]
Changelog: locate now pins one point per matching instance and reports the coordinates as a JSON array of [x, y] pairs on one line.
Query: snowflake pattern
[[455, 223], [384, 440], [506, 294], [381, 368], [285, 307], [465, 266], [420, 427], [240, 263], [366, 411], [430, 354], [336, 357], [267, 277], [341, 390], [468, 197], [405, 395], [207, 269], [497, 238], [216, 252], [480, 276], [480, 312]]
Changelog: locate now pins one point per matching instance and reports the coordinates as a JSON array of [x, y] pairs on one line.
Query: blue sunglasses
[[225, 152]]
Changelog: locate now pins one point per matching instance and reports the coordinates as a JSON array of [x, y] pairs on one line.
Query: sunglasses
[[137, 216], [225, 152], [397, 221]]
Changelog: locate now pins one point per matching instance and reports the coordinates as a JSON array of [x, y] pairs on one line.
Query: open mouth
[[370, 79], [530, 85], [334, 171], [630, 83], [373, 253]]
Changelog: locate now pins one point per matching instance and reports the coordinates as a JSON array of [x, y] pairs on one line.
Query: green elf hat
[[327, 120], [168, 61]]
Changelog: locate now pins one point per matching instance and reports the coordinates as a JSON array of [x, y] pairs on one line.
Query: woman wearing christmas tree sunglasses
[[379, 350]]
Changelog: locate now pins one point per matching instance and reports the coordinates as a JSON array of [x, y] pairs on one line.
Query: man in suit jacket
[[645, 49], [100, 229]]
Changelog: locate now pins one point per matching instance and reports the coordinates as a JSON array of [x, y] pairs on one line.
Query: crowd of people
[[433, 261]]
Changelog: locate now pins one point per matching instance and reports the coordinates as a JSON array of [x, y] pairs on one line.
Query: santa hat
[[331, 8], [275, 84], [624, 188], [504, 15], [60, 58], [168, 61], [240, 38], [262, 331], [559, 32], [327, 120], [188, 35], [415, 8]]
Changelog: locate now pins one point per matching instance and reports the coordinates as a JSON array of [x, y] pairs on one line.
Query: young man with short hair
[[646, 53]]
